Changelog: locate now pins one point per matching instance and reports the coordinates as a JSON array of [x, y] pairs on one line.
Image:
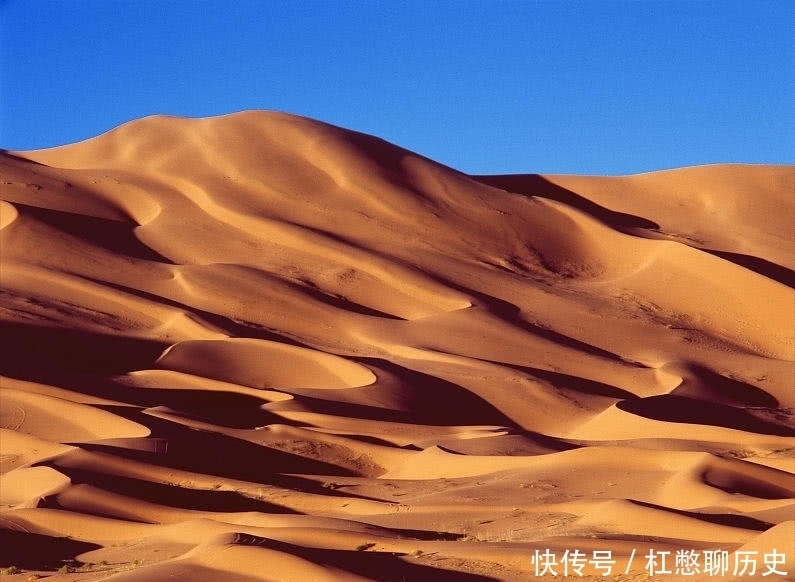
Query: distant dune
[[259, 347]]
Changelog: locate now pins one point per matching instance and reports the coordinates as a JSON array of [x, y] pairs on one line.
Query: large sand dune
[[262, 348]]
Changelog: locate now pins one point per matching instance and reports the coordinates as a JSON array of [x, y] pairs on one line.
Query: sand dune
[[258, 347]]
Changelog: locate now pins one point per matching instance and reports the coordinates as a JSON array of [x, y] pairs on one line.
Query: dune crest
[[258, 346]]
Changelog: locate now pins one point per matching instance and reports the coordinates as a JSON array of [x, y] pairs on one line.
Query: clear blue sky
[[486, 86]]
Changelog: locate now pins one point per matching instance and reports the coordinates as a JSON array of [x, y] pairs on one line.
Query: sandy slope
[[262, 348]]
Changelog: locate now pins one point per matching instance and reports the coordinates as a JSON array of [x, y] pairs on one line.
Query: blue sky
[[486, 86]]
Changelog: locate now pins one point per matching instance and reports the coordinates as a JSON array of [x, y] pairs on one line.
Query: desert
[[260, 348]]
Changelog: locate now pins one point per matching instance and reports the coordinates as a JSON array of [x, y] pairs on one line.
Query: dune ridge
[[259, 347]]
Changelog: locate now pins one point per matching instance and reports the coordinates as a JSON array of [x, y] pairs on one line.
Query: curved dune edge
[[7, 214], [259, 347], [264, 364], [21, 451], [25, 487], [60, 420]]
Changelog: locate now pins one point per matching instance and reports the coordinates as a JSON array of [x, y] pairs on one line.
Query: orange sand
[[262, 348]]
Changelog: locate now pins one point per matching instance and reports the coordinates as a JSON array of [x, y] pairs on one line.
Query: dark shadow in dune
[[762, 267], [168, 495], [226, 409], [372, 440], [340, 302], [244, 329], [225, 458], [311, 484], [527, 444], [426, 535], [32, 551], [381, 566], [670, 408], [36, 352], [353, 410], [535, 185], [745, 478], [727, 519], [511, 314], [113, 235], [389, 161], [20, 158], [185, 497], [17, 158], [704, 384], [562, 339], [576, 383], [308, 288], [213, 453], [426, 399]]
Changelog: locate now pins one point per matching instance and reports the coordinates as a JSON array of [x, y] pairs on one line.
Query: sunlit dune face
[[258, 347]]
